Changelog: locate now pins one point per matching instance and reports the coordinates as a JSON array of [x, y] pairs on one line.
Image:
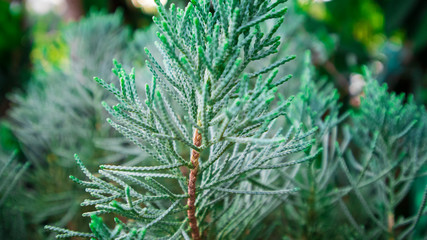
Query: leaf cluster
[[202, 86]]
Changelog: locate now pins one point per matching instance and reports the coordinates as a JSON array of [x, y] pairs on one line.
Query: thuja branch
[[201, 84], [191, 212]]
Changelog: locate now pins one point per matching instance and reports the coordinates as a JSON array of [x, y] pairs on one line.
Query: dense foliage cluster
[[202, 100], [222, 143]]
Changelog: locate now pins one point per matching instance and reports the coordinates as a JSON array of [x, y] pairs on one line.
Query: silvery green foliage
[[311, 214], [12, 223], [202, 84], [60, 113], [392, 137], [10, 173]]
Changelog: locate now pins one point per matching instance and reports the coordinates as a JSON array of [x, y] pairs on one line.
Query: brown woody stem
[[191, 212], [390, 223]]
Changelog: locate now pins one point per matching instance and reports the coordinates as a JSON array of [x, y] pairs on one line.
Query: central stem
[[390, 223], [191, 212]]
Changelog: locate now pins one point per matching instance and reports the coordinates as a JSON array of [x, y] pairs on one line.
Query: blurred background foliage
[[42, 41]]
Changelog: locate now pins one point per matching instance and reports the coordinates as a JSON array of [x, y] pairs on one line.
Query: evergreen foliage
[[202, 99], [58, 99], [11, 220], [60, 113], [305, 213], [391, 136], [211, 149]]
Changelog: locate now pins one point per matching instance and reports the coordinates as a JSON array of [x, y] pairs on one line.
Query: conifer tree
[[210, 97], [312, 213], [391, 136], [59, 114]]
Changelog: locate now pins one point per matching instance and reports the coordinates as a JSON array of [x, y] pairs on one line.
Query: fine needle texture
[[209, 84]]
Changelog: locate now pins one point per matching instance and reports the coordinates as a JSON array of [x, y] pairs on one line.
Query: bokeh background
[[50, 108]]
